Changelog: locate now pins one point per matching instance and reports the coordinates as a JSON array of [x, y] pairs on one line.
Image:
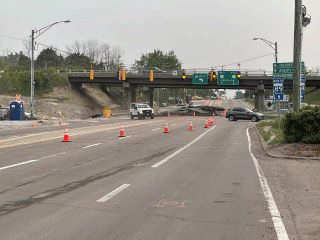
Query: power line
[[246, 60]]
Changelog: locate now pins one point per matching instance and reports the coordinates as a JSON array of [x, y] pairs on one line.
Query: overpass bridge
[[257, 80]]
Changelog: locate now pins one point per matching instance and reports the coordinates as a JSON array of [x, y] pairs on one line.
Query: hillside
[[71, 103]]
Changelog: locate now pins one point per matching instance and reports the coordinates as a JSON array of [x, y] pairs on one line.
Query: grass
[[270, 128]]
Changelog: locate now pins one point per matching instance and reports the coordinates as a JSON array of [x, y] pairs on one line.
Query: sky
[[202, 33]]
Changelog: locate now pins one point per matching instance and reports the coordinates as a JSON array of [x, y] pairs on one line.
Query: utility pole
[[297, 54], [32, 76]]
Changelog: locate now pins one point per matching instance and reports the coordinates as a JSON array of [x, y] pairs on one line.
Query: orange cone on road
[[194, 114], [190, 126], [121, 132], [66, 137], [206, 124], [166, 128]]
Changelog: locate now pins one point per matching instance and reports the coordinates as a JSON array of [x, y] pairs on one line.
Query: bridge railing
[[177, 73]]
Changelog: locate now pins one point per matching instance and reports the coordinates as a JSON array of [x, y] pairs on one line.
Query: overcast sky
[[202, 33]]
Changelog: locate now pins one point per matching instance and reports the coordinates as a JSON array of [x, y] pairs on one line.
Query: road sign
[[278, 80], [227, 78], [200, 78], [302, 86], [278, 97], [285, 70], [277, 88]]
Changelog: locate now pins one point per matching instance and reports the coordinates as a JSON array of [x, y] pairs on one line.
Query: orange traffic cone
[[166, 128], [206, 124], [121, 133], [194, 114], [66, 137], [190, 126]]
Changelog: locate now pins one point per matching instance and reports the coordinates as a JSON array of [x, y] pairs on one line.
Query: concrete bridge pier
[[259, 97], [150, 96], [130, 92]]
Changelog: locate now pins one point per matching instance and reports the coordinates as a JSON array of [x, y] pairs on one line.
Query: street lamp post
[[34, 35], [274, 46]]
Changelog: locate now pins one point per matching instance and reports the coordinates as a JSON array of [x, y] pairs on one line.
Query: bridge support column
[[150, 93], [259, 97], [131, 93]]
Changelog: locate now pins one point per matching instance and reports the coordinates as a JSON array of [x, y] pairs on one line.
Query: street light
[[34, 35], [273, 45]]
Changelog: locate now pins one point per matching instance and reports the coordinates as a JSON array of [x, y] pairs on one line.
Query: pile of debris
[[200, 110]]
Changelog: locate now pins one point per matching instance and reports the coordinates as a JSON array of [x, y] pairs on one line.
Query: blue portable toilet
[[16, 110]]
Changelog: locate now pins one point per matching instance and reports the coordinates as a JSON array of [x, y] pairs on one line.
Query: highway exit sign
[[285, 70], [200, 78], [227, 78]]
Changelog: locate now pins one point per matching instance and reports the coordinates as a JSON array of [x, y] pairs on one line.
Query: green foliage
[[77, 61], [15, 82], [159, 59], [48, 58], [302, 126]]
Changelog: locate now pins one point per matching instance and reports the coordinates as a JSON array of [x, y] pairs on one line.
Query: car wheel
[[254, 118], [132, 117], [139, 116], [152, 116], [231, 118]]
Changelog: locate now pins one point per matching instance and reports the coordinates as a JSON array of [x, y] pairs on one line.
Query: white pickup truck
[[141, 111]]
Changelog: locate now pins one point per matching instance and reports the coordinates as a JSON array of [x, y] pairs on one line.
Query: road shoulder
[[294, 182]]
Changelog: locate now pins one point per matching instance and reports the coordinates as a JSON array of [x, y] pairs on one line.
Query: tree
[[48, 58], [158, 59], [77, 61]]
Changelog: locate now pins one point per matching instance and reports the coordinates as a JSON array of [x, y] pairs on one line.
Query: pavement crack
[[40, 197]]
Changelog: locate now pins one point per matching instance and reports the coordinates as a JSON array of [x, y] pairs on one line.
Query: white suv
[[141, 110]]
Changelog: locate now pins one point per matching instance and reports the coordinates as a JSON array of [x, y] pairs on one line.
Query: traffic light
[[184, 74], [91, 74], [238, 74], [214, 75], [123, 75], [151, 75], [119, 74], [211, 75]]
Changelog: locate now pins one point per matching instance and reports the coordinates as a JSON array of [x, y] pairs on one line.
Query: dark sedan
[[239, 113]]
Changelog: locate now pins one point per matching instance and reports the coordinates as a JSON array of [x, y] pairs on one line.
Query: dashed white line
[[92, 145], [181, 149], [273, 209], [30, 161], [156, 129], [113, 193]]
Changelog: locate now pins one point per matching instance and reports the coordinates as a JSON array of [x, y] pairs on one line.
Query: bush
[[302, 126]]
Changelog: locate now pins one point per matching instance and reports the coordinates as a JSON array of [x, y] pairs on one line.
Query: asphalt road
[[199, 184]]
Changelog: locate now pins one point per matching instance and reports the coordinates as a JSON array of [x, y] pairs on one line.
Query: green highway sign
[[227, 78], [285, 70], [200, 78]]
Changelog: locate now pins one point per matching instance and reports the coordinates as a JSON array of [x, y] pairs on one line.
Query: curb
[[265, 149]]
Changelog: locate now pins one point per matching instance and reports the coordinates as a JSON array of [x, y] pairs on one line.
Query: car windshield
[[143, 106]]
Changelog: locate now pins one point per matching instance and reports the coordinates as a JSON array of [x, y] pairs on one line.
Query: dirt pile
[[67, 102]]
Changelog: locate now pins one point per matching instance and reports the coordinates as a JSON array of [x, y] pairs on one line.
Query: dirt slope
[[68, 102]]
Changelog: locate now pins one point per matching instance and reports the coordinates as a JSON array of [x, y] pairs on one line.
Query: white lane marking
[[181, 149], [30, 161], [92, 145], [113, 193], [173, 124], [273, 209], [156, 129]]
